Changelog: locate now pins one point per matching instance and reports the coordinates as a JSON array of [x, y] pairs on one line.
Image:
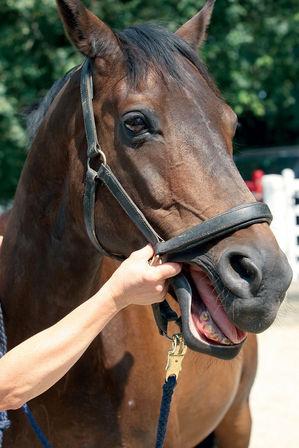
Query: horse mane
[[152, 45], [143, 46], [35, 114]]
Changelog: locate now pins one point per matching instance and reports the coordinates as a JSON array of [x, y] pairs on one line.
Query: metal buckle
[[155, 259], [176, 356]]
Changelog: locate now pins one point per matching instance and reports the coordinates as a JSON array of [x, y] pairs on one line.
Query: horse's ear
[[86, 31], [194, 31]]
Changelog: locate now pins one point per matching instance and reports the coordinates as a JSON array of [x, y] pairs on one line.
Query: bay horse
[[167, 133]]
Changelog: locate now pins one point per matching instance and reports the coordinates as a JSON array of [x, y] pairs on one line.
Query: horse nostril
[[240, 273], [247, 270]]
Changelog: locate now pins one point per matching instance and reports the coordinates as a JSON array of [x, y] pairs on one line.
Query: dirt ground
[[275, 396]]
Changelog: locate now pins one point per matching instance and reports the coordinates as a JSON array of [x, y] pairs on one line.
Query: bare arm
[[36, 364]]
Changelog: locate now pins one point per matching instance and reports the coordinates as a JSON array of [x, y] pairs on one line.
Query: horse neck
[[46, 251]]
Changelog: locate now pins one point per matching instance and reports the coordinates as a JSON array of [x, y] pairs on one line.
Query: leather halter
[[213, 228]]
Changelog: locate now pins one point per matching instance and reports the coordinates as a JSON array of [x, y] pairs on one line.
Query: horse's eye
[[135, 125]]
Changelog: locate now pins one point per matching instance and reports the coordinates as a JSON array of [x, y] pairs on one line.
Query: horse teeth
[[205, 316], [226, 341], [215, 337], [210, 329]]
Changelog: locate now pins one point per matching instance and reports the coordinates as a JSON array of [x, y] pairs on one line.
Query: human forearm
[[35, 365]]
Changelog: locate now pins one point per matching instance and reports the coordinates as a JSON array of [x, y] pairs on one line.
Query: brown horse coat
[[173, 155]]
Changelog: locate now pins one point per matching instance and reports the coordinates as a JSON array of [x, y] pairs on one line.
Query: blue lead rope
[[168, 389], [35, 426], [173, 368], [4, 421]]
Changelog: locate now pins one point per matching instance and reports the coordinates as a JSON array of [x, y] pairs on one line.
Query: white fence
[[281, 193]]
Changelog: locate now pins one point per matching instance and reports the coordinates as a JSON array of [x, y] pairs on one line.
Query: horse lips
[[214, 323]]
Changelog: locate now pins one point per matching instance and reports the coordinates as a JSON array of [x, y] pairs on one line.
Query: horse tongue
[[213, 304]]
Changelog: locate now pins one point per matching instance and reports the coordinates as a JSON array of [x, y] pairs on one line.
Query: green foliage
[[252, 51]]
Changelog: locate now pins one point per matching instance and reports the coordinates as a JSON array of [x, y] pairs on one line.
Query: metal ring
[[102, 154], [167, 337]]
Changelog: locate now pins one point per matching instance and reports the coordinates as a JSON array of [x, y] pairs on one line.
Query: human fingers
[[165, 290], [143, 254], [161, 292], [1, 239], [167, 270]]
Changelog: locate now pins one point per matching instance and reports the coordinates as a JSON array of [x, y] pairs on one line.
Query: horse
[[167, 134]]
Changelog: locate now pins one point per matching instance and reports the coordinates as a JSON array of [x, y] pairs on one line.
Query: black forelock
[[153, 46]]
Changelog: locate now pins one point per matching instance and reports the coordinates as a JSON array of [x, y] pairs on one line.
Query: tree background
[[252, 51]]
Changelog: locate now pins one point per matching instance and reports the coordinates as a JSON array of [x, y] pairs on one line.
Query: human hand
[[136, 282]]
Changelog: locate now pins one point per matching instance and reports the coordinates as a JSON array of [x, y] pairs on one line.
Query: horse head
[[167, 135]]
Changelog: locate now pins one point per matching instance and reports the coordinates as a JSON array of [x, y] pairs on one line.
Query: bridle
[[213, 228]]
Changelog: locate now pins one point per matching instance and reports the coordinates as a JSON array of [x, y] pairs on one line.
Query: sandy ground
[[275, 396]]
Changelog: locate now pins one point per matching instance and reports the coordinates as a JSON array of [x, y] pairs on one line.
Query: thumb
[[167, 270], [144, 254]]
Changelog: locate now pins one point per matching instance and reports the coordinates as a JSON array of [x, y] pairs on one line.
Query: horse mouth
[[209, 320], [205, 324]]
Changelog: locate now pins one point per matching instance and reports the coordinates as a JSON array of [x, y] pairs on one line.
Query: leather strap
[[107, 177], [218, 226], [93, 150], [104, 174], [164, 314], [86, 89], [88, 204]]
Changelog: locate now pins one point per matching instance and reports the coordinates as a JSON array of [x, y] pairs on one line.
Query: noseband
[[213, 228]]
